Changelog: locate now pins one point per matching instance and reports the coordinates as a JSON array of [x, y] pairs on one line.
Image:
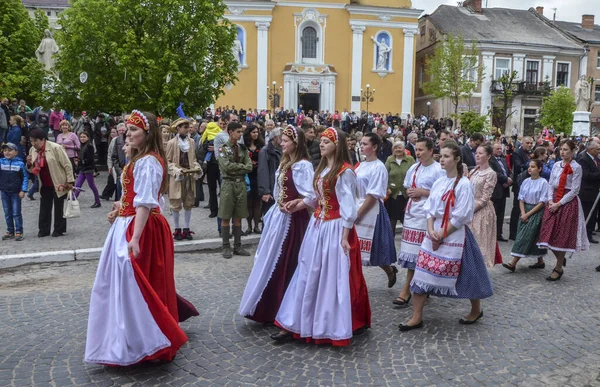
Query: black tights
[[254, 212]]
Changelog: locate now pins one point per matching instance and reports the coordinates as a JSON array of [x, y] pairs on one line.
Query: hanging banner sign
[[310, 87]]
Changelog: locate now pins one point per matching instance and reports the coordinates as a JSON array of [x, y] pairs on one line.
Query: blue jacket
[[14, 135], [13, 175]]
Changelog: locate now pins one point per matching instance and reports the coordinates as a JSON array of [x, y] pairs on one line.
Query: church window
[[309, 43]]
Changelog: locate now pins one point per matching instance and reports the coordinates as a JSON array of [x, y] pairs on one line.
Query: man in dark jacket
[[314, 151], [468, 150], [590, 185], [501, 190], [385, 150], [268, 162], [520, 159]]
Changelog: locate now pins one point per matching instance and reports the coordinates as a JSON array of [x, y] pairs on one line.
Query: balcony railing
[[523, 87]]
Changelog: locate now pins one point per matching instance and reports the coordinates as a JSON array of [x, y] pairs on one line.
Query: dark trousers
[[110, 188], [515, 213], [587, 207], [47, 201], [212, 179], [35, 186], [500, 209], [102, 150], [199, 192], [266, 206]]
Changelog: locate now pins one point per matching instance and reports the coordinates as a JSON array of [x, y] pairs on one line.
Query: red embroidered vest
[[329, 207], [287, 188], [129, 194]]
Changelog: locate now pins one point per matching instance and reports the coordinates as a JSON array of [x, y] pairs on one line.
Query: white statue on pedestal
[[383, 52], [582, 94], [237, 51], [47, 49]]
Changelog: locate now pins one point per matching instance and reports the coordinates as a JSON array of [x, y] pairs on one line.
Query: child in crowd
[[13, 185], [86, 165]]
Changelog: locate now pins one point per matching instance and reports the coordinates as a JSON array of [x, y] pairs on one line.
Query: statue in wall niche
[[383, 52], [47, 49], [582, 94], [237, 51]]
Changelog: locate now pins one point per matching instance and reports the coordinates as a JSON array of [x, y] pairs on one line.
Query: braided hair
[[455, 149]]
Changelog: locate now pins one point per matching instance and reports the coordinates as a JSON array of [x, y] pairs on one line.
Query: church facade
[[322, 55]]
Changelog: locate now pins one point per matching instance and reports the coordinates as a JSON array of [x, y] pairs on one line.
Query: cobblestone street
[[534, 333]]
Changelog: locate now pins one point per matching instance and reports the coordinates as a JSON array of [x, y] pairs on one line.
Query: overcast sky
[[566, 10]]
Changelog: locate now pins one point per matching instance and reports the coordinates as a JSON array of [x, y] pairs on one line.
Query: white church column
[[548, 69], [408, 74], [486, 82], [518, 64], [262, 49], [357, 57]]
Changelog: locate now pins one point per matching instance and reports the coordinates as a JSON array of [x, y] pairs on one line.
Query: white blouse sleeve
[[276, 185], [575, 185], [545, 185], [378, 182], [345, 190], [304, 176], [525, 189], [464, 204], [431, 202], [147, 176], [553, 176], [409, 175]]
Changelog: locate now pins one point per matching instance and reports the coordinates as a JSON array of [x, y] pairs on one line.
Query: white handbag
[[71, 207]]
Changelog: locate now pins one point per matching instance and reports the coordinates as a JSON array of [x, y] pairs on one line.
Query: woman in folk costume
[[450, 263], [418, 181], [533, 194], [563, 223], [373, 226], [327, 298], [483, 179], [134, 309], [183, 172], [284, 227]]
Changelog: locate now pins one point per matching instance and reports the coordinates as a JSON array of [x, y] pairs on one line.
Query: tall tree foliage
[[21, 75], [557, 110], [448, 69], [147, 55], [506, 85]]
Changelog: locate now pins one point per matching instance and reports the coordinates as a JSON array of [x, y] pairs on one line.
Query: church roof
[[575, 29], [499, 25], [46, 3]]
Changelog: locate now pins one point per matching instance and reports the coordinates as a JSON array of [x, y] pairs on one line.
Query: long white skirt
[[317, 302]]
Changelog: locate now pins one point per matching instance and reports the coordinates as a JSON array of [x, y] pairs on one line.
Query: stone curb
[[14, 260]]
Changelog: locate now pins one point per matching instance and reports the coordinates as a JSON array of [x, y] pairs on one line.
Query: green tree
[[507, 87], [147, 55], [557, 110], [453, 70], [21, 75], [472, 122]]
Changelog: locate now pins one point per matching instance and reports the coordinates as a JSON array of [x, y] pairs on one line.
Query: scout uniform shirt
[[234, 164]]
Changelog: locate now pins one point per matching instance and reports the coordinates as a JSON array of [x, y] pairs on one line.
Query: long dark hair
[[152, 144], [259, 143], [301, 152], [341, 156]]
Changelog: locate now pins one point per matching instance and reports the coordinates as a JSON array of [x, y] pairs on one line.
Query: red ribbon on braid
[[449, 198], [562, 183]]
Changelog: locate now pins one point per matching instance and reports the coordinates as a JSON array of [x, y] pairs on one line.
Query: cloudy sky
[[566, 10]]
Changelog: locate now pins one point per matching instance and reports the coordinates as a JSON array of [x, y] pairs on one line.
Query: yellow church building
[[322, 55]]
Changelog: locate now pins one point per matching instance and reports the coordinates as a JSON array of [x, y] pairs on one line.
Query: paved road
[[90, 229], [534, 333]]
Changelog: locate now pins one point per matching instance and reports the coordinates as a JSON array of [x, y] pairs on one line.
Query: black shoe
[[212, 215], [406, 328], [57, 234], [592, 240], [42, 234], [207, 207], [30, 197], [509, 267], [597, 268], [402, 302], [502, 239], [240, 251], [463, 321], [247, 232], [538, 265], [227, 252], [393, 278], [257, 230], [560, 274], [360, 331], [105, 198], [282, 337], [96, 205]]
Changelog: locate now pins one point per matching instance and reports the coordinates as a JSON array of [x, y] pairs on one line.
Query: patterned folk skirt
[[525, 245]]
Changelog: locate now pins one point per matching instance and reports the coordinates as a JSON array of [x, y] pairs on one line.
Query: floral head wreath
[[139, 120], [291, 132], [331, 134]]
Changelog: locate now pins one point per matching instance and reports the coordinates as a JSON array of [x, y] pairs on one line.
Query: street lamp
[[428, 105], [367, 96], [274, 94]]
